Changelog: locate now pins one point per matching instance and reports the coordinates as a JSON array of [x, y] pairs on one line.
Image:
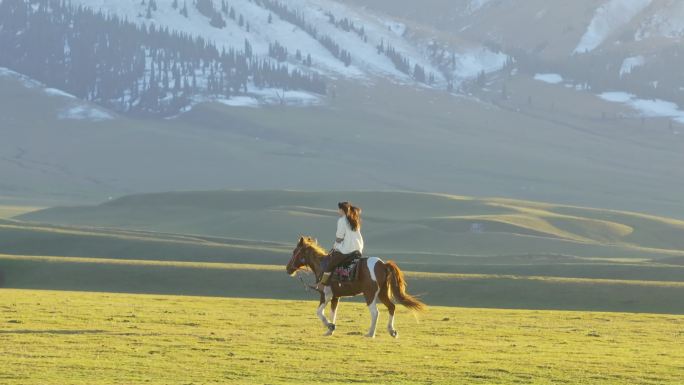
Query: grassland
[[87, 338]]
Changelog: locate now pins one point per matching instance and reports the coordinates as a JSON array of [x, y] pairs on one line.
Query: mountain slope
[[396, 138], [269, 22], [501, 134], [586, 41], [133, 68], [441, 45], [163, 56]]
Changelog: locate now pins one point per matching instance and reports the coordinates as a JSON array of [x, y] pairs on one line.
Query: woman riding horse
[[378, 281], [348, 242]]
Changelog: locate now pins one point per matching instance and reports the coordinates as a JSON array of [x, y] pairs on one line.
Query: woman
[[348, 241]]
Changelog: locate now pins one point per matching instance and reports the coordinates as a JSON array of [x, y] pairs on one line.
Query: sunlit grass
[[86, 338], [7, 211]]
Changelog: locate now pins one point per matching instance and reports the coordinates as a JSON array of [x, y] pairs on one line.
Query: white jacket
[[351, 240]]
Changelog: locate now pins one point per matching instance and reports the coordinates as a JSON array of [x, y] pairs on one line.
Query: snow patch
[[654, 108], [608, 18], [56, 92], [399, 29], [630, 63], [540, 14], [549, 78], [25, 80], [476, 5], [85, 112], [469, 64], [240, 101], [258, 98], [617, 97], [271, 96]]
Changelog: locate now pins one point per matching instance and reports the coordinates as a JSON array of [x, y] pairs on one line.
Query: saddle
[[348, 271]]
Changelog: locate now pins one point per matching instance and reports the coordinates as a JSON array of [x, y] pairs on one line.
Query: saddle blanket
[[348, 271]]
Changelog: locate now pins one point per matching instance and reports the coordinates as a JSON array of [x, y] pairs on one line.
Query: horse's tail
[[397, 286]]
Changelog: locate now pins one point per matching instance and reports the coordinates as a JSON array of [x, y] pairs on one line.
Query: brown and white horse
[[377, 281]]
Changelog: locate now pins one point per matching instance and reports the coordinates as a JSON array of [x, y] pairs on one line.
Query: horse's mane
[[310, 242]]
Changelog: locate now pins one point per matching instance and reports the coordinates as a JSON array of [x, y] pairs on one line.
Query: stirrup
[[320, 286]]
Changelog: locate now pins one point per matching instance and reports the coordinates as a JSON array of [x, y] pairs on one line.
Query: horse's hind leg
[[384, 297], [371, 291], [372, 301]]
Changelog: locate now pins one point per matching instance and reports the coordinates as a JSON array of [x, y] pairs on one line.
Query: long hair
[[352, 213]]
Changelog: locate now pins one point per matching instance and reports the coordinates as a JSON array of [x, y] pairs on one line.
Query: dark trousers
[[336, 258]]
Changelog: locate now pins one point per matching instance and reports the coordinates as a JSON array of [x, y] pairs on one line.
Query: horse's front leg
[[333, 315], [326, 297]]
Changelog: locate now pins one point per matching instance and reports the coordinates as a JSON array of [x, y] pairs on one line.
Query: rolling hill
[[492, 252], [437, 223]]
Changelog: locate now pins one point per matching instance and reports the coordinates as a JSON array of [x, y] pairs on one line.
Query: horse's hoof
[[331, 330], [370, 335], [394, 333]]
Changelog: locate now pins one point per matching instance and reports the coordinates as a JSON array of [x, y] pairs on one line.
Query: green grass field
[[190, 288], [87, 338]]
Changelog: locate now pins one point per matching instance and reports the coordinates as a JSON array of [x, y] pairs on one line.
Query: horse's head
[[302, 255]]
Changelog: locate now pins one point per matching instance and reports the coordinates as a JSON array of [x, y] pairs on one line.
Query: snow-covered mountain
[[434, 44], [354, 29], [385, 72], [665, 22], [609, 18], [632, 46], [325, 37]]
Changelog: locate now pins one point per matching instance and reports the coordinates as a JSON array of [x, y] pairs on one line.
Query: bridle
[[296, 256]]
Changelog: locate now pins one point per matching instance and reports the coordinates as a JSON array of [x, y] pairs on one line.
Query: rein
[[307, 286]]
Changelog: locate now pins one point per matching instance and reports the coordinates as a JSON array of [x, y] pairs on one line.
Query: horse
[[377, 281]]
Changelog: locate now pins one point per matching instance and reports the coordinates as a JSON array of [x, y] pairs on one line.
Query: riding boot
[[324, 281]]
